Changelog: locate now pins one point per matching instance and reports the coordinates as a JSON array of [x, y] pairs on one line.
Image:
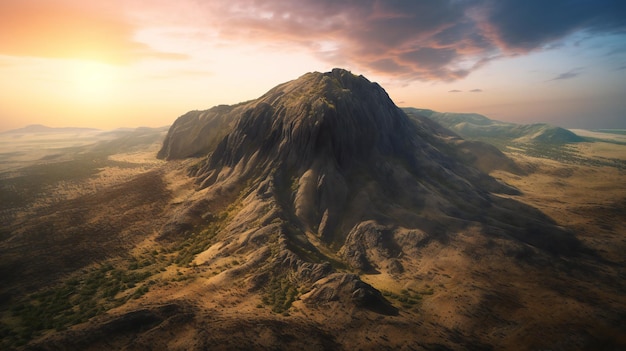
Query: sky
[[131, 63]]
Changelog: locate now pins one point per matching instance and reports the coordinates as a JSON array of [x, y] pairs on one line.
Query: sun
[[92, 81]]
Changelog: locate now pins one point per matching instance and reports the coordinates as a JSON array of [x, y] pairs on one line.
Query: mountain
[[318, 217], [41, 129], [475, 126], [331, 155]]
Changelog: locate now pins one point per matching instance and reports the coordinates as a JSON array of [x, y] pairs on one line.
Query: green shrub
[[280, 293]]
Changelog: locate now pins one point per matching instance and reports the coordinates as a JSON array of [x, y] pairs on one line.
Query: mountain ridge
[[476, 126], [42, 129]]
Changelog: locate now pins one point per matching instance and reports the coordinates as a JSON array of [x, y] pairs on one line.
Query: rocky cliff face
[[327, 169]]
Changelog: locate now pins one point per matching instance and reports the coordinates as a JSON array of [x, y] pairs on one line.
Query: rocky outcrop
[[369, 242], [196, 133], [337, 287]]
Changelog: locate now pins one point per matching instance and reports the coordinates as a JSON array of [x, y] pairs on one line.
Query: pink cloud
[[411, 39], [416, 39]]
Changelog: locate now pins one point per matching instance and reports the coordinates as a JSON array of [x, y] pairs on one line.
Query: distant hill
[[478, 127], [41, 129]]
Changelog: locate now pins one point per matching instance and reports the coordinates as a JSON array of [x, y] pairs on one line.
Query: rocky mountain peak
[[326, 168], [334, 114]]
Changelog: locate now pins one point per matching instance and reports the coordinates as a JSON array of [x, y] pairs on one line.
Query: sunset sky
[[130, 63]]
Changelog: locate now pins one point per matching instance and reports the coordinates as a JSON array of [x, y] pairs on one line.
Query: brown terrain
[[317, 217]]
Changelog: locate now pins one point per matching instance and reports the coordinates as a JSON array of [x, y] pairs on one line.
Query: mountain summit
[[319, 113]]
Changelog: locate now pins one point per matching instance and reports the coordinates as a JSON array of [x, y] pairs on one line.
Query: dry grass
[[590, 200]]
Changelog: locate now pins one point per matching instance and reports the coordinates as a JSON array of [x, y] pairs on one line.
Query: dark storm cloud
[[417, 39], [529, 24], [430, 57]]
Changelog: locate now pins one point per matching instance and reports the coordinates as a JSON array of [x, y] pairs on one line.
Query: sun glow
[[92, 81]]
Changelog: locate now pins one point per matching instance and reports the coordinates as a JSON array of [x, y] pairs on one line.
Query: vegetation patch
[[200, 240], [280, 293], [72, 302], [407, 298], [195, 244], [97, 290]]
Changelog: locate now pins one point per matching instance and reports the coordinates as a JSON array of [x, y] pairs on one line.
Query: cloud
[[528, 25], [71, 29], [566, 75], [573, 73], [441, 40], [460, 91], [413, 39]]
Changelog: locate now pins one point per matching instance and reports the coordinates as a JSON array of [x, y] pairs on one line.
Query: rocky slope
[[328, 174]]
